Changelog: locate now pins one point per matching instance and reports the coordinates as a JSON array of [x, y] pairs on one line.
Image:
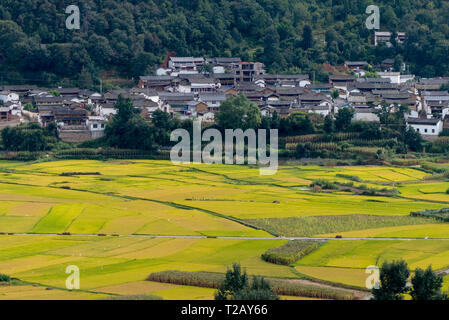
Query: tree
[[206, 68], [54, 93], [260, 290], [343, 118], [393, 281], [85, 79], [128, 129], [307, 38], [235, 281], [271, 46], [413, 139], [329, 125], [335, 94], [426, 285], [4, 278], [237, 287], [238, 113]]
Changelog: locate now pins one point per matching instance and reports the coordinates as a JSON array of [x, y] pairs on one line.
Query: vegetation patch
[[440, 215], [69, 174], [362, 189], [290, 252], [286, 287], [4, 279], [310, 226], [134, 297]]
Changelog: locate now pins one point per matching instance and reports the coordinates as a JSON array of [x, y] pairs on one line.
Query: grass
[[141, 197], [348, 276], [311, 226]]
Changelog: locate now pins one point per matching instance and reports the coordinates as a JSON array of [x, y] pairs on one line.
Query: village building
[[248, 71], [385, 37], [428, 128]]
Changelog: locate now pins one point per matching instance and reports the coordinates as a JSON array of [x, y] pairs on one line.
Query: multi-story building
[[248, 71]]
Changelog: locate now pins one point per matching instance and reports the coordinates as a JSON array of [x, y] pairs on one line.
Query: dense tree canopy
[[133, 36], [127, 129], [238, 113]]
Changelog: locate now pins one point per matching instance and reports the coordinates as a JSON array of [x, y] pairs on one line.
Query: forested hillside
[[131, 37]]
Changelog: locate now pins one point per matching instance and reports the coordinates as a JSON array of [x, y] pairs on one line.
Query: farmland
[[107, 218]]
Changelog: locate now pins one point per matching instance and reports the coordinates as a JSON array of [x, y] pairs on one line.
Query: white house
[[7, 96], [213, 100], [96, 126], [323, 110], [365, 114], [426, 127]]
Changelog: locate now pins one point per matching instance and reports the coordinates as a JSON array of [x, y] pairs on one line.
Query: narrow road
[[222, 238]]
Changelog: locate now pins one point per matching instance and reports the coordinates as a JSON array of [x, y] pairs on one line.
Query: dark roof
[[285, 76], [356, 63], [170, 96], [341, 77], [212, 96], [48, 99], [388, 61], [19, 88], [67, 90], [224, 60], [319, 86], [423, 121], [156, 78]]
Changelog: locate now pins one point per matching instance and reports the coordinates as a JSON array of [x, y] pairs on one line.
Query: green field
[[140, 200]]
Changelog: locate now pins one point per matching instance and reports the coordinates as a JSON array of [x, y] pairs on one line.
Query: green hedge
[[290, 252]]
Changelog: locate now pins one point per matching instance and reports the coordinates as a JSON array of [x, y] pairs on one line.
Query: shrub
[[439, 214], [324, 184], [4, 278]]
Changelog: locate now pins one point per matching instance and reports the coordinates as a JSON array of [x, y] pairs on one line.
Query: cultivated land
[[113, 208]]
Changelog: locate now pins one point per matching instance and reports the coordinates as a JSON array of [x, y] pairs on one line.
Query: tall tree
[[238, 113], [307, 37], [343, 118], [426, 285], [235, 281], [393, 281]]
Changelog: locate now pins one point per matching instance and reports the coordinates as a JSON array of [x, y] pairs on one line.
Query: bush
[[439, 214], [324, 184], [4, 278]]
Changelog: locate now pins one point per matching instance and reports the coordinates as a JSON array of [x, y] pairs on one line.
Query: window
[[102, 125], [433, 130], [425, 130], [417, 129], [95, 126]]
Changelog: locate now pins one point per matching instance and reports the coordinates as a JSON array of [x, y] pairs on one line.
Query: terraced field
[[133, 202]]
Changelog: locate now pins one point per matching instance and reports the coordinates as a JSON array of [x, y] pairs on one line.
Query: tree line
[[131, 37]]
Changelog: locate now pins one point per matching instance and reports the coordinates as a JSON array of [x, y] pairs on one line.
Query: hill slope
[[133, 36]]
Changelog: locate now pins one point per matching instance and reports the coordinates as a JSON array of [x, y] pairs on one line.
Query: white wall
[[431, 130]]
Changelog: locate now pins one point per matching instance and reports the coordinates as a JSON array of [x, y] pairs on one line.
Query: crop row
[[286, 287]]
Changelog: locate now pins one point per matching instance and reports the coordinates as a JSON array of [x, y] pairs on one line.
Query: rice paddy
[[59, 217]]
